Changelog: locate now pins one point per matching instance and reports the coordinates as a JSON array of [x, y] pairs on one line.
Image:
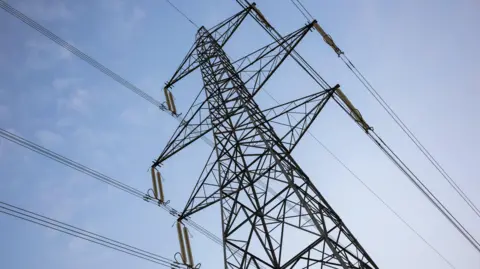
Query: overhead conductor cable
[[76, 52], [95, 238], [105, 179], [328, 39], [348, 107]]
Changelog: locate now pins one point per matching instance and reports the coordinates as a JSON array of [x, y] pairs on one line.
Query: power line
[[116, 77], [301, 11], [83, 56], [401, 124], [306, 10], [61, 159], [415, 180], [427, 193], [35, 25], [183, 14], [95, 238], [103, 178], [301, 59], [128, 85], [384, 203], [410, 134], [373, 193], [297, 57], [313, 73]]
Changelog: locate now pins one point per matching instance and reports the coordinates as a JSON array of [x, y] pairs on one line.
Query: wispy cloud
[[64, 83], [50, 191], [48, 138], [124, 16], [77, 101], [97, 138], [44, 54], [75, 98], [46, 10], [135, 18]]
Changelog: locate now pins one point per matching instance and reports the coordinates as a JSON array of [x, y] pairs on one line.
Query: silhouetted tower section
[[272, 215]]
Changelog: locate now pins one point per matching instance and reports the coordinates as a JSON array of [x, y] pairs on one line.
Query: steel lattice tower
[[272, 214]]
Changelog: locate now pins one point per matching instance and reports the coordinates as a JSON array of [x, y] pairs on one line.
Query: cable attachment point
[[163, 203], [327, 38], [175, 257], [147, 197], [260, 16], [352, 111]]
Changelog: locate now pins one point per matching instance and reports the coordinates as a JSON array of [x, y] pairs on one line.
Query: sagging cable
[[350, 109], [327, 38]]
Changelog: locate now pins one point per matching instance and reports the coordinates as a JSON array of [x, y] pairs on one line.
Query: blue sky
[[421, 55]]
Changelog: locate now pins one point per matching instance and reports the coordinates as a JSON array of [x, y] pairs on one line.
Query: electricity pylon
[[272, 214]]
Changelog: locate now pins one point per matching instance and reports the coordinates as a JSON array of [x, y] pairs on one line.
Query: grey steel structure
[[272, 214]]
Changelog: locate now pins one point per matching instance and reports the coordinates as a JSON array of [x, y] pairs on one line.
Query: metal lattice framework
[[272, 214]]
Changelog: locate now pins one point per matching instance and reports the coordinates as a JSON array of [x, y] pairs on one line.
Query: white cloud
[[73, 98], [63, 83], [77, 101], [44, 54], [137, 16], [128, 23], [65, 54], [49, 139], [125, 17]]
